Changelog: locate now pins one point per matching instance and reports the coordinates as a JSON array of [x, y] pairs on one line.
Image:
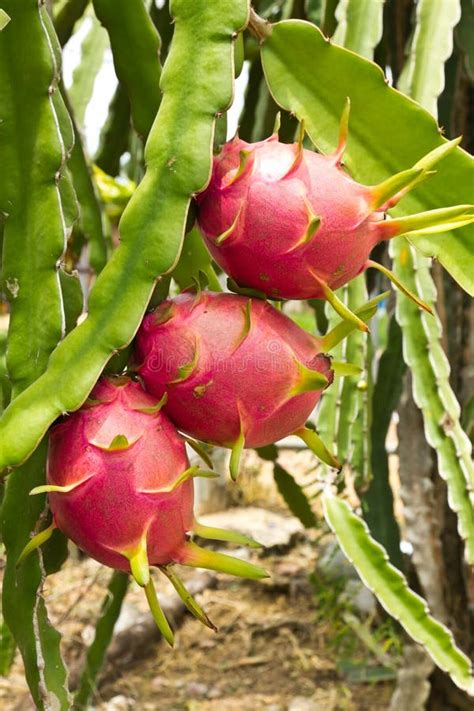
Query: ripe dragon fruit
[[236, 372], [291, 223], [120, 486]]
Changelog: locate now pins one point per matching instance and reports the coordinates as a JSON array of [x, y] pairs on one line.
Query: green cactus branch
[[136, 50], [178, 155]]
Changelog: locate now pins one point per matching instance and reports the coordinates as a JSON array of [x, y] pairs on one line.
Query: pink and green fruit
[[293, 224], [236, 371], [121, 487]]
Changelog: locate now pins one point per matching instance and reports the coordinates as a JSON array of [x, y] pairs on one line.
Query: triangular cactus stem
[[36, 542], [343, 131], [158, 615], [190, 473], [339, 307], [221, 534], [314, 442], [344, 328], [400, 285], [342, 370], [56, 489], [197, 557], [199, 449], [236, 455], [191, 604], [430, 222], [308, 380]]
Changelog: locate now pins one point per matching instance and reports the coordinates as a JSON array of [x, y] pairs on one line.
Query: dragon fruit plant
[[291, 223], [120, 486], [236, 371]]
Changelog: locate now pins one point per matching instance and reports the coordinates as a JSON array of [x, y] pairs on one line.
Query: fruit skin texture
[[241, 371], [275, 245], [107, 515]]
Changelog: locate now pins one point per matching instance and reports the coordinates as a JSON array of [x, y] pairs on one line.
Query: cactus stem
[[197, 557], [338, 306], [190, 473], [36, 542], [158, 615], [221, 534], [400, 285], [193, 607], [314, 442]]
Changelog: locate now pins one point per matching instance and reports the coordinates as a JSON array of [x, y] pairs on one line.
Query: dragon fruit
[[120, 486], [236, 372], [291, 223]]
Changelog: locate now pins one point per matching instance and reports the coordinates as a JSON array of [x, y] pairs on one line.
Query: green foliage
[[110, 612], [136, 49], [391, 589], [294, 496], [178, 159], [377, 145]]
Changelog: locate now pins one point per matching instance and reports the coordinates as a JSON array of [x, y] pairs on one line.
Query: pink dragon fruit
[[236, 372], [293, 224], [120, 486]]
